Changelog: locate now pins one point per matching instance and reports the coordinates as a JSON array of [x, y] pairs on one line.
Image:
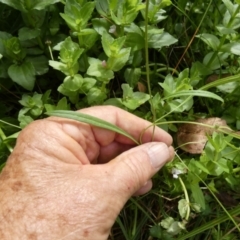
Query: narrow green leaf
[[198, 195], [221, 82], [194, 93], [81, 117]]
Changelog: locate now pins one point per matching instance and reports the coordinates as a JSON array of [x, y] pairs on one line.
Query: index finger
[[130, 123]]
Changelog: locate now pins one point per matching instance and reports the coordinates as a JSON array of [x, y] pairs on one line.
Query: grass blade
[[194, 93], [85, 118], [210, 224], [221, 82]]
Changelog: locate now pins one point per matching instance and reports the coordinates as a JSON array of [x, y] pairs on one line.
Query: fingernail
[[158, 154]]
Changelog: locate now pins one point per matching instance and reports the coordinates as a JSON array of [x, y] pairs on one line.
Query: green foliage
[[166, 61]]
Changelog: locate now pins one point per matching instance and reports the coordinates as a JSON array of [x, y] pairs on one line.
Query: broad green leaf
[[107, 40], [196, 207], [101, 25], [167, 222], [40, 64], [73, 95], [230, 6], [180, 104], [26, 33], [125, 11], [95, 96], [54, 22], [85, 13], [117, 45], [3, 36], [99, 69], [26, 5], [86, 31], [4, 65], [183, 207], [202, 167], [34, 18], [158, 232], [42, 4], [73, 83], [70, 52], [59, 66], [222, 163], [23, 74], [88, 83], [155, 11], [132, 76], [210, 39], [193, 93], [116, 63], [172, 227], [14, 49], [218, 61], [24, 120], [158, 39], [63, 104], [225, 30], [135, 41], [133, 100], [117, 102], [231, 48], [133, 28], [70, 21], [31, 101], [81, 117], [87, 41], [102, 7], [46, 96]]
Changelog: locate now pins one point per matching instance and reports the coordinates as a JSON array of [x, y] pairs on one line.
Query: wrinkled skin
[[59, 182]]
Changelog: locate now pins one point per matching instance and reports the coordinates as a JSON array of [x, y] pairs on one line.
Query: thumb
[[132, 169]]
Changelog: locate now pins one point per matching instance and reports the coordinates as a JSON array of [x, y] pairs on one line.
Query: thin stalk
[[135, 221], [164, 69], [118, 220], [50, 50], [221, 129], [195, 33], [228, 213], [147, 65], [12, 125], [186, 197]]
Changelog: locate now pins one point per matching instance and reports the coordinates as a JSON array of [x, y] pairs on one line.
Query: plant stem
[[12, 125], [211, 224], [159, 70], [186, 197], [135, 221], [195, 33], [147, 66]]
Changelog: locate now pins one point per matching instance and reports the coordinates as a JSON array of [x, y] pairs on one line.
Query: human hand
[[59, 182]]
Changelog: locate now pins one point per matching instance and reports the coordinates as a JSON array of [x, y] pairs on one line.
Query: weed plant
[[170, 62]]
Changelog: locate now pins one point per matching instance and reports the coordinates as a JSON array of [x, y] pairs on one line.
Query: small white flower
[[104, 64], [112, 29], [176, 172]]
